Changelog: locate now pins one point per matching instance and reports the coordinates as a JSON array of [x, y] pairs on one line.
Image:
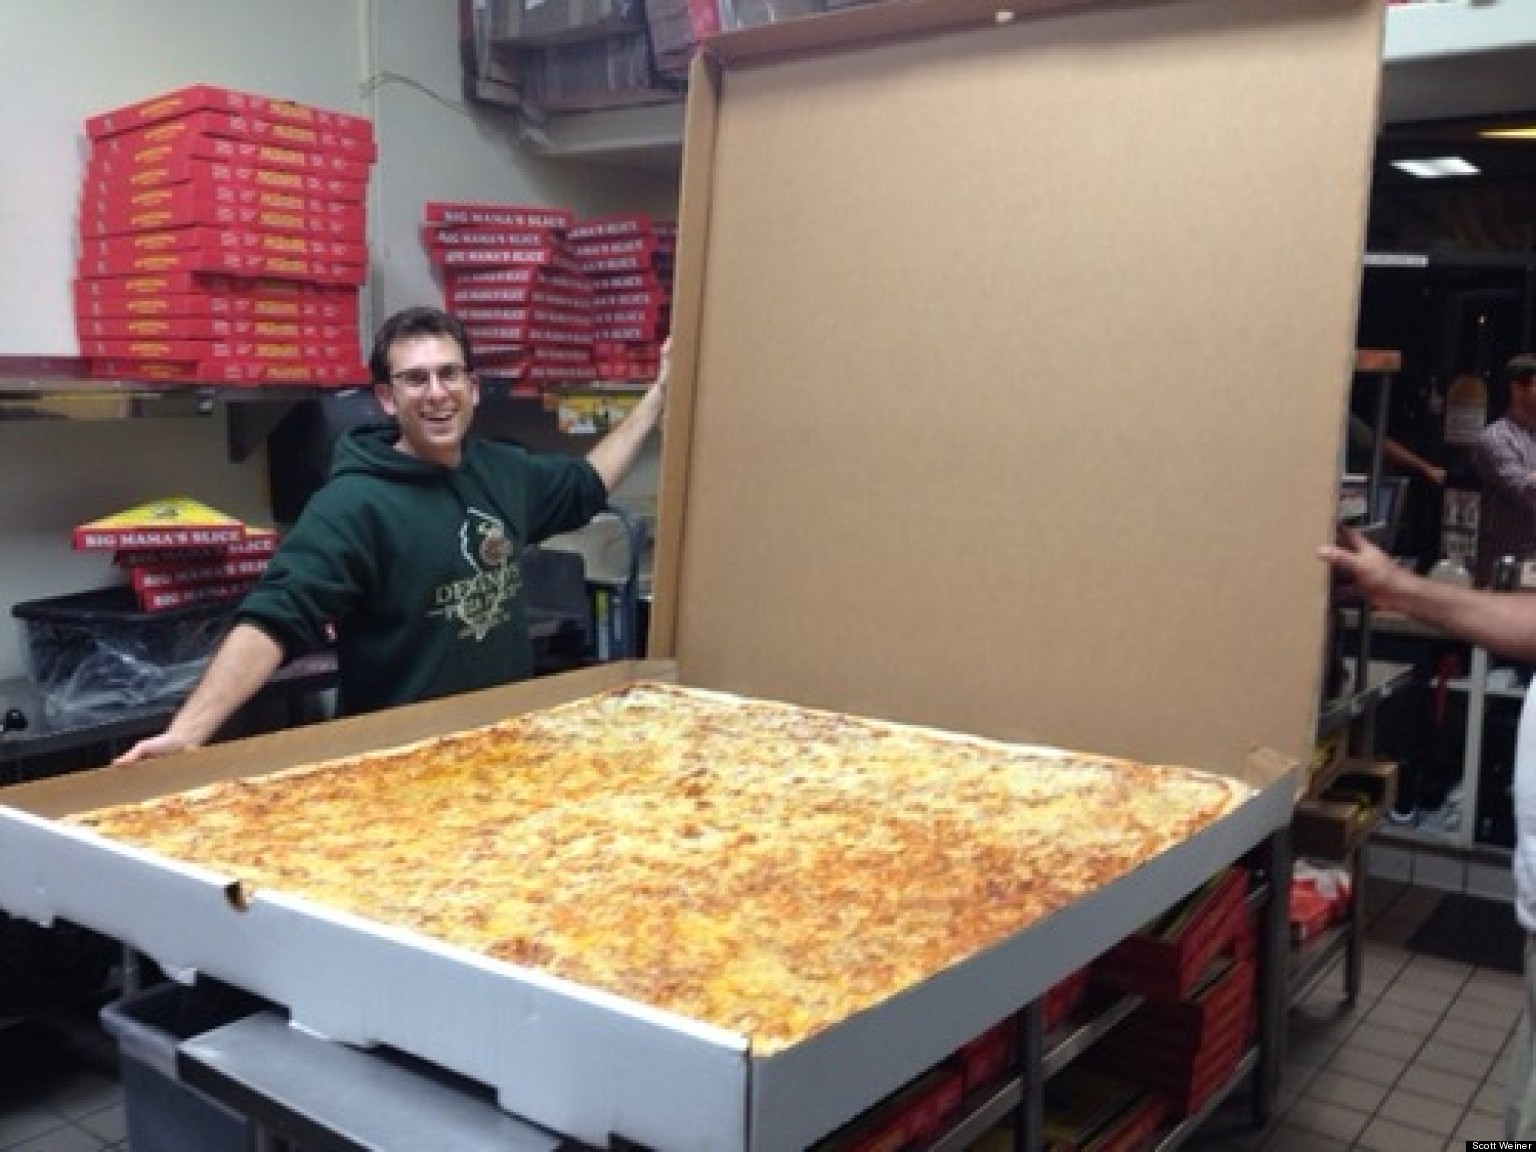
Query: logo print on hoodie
[[479, 601]]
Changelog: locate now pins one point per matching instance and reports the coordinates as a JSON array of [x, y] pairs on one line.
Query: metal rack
[[1355, 714]]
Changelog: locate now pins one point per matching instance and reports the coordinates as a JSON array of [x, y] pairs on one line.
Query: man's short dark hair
[[412, 322], [1521, 368]]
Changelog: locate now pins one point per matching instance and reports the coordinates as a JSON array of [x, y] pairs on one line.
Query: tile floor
[[59, 1088], [1418, 1064]]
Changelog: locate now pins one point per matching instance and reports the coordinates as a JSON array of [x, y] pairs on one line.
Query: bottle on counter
[[1451, 570]]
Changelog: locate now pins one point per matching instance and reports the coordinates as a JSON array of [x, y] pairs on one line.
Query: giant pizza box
[[1057, 479]]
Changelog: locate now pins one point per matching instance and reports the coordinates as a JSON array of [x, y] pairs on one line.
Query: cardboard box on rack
[[543, 23], [1169, 957]]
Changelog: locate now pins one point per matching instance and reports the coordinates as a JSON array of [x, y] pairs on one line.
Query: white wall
[[396, 60], [68, 59]]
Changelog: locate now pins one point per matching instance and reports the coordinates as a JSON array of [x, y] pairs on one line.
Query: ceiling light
[[1526, 133], [1432, 167]]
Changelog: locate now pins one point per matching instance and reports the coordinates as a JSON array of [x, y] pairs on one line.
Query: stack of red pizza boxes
[[179, 552], [174, 577], [223, 238], [1196, 970], [630, 261], [510, 275]]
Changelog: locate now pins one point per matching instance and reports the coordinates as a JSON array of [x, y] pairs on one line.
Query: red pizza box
[[342, 373], [207, 350], [194, 283], [1168, 957], [165, 599], [497, 215], [195, 96], [138, 154], [493, 302], [114, 248], [640, 246], [658, 298], [1229, 991], [457, 295], [1065, 996], [333, 308], [258, 543], [620, 373], [238, 126], [990, 1057], [190, 196], [605, 227], [638, 334], [174, 522], [575, 320], [1177, 1071], [509, 314], [228, 262], [159, 371], [180, 574], [456, 236], [347, 373], [221, 328], [456, 280], [608, 265], [1311, 914], [543, 255], [1214, 1068], [1172, 1040], [636, 280], [542, 372], [109, 177], [531, 333], [629, 317], [557, 354], [98, 223], [908, 1118]]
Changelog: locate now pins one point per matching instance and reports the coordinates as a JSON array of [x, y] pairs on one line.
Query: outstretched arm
[[244, 661], [1410, 461], [615, 454], [1502, 622]]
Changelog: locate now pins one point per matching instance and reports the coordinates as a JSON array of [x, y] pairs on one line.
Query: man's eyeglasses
[[417, 379]]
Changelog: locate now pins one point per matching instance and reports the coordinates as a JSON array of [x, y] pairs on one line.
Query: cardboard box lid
[[1011, 364]]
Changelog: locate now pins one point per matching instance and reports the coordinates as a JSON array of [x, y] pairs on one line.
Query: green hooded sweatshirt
[[416, 566]]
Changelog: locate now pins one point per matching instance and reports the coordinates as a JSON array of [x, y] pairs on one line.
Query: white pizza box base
[[578, 1061]]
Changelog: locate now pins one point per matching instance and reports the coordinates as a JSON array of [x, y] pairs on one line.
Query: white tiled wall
[[1441, 868]]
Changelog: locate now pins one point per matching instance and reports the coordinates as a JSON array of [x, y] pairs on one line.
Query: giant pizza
[[759, 866]]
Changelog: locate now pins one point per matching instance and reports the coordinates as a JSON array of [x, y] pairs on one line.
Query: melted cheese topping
[[765, 868]]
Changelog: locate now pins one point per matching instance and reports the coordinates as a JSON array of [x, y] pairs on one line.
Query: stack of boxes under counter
[[549, 301], [223, 238], [177, 552], [1136, 1047]]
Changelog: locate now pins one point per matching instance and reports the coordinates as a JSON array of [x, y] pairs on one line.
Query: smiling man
[[411, 551]]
